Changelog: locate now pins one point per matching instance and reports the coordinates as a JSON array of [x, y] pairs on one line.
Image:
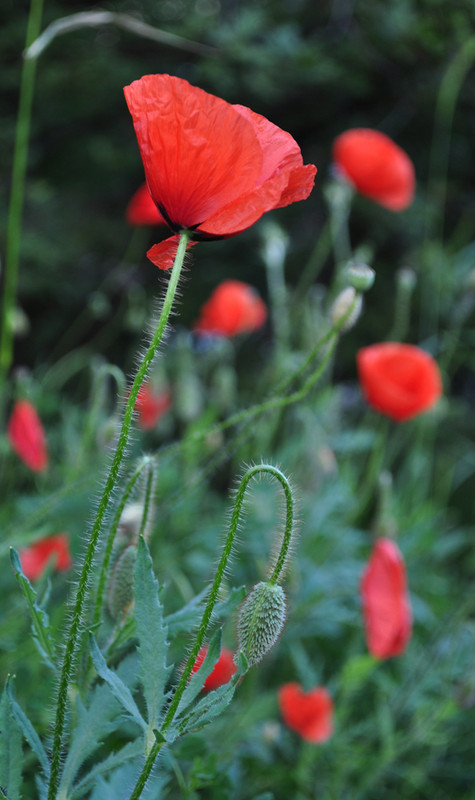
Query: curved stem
[[275, 472], [17, 192], [74, 630]]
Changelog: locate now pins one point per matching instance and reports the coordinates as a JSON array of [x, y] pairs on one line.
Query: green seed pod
[[121, 583], [360, 277], [261, 619]]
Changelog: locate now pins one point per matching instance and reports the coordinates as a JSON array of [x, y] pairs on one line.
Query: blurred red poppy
[[376, 166], [151, 406], [386, 604], [141, 209], [310, 714], [211, 167], [27, 436], [399, 380], [234, 307], [222, 672], [35, 558]]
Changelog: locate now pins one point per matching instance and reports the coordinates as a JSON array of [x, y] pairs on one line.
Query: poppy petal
[[163, 254], [198, 152]]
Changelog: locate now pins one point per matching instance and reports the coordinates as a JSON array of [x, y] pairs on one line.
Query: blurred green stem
[[316, 261], [17, 192], [234, 526], [74, 633]]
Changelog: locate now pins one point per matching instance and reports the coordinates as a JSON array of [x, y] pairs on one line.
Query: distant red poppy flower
[[399, 380], [141, 209], [310, 714], [27, 436], [386, 604], [211, 167], [151, 406], [376, 166], [223, 670], [35, 558], [234, 307]]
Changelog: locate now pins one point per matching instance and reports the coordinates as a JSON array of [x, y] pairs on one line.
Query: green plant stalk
[[74, 630], [213, 596], [148, 494], [17, 193]]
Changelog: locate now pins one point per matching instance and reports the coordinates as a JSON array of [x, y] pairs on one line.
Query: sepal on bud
[[120, 592], [261, 620]]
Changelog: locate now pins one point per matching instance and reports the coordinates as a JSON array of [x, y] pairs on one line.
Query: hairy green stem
[[258, 469], [17, 193], [77, 613]]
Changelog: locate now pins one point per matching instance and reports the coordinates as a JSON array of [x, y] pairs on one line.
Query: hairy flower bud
[[121, 582], [261, 619], [346, 300]]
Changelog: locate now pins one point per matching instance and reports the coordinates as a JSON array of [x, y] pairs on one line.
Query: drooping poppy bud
[[212, 168], [386, 604], [234, 307], [310, 714], [120, 592], [261, 620], [399, 380], [141, 209], [151, 406], [376, 166], [347, 305], [222, 672], [35, 558], [27, 436]]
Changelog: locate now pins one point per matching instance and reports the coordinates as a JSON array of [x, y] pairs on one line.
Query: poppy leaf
[[39, 618]]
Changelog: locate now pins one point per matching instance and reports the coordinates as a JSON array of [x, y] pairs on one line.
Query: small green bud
[[360, 277], [261, 619], [120, 592], [346, 300]]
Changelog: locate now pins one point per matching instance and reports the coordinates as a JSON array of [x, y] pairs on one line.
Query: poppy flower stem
[[75, 629], [17, 192], [280, 561]]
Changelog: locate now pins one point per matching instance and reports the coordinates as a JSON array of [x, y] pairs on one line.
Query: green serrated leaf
[[127, 753], [118, 688], [197, 680], [11, 757], [28, 730], [39, 617], [94, 723], [151, 633], [215, 702]]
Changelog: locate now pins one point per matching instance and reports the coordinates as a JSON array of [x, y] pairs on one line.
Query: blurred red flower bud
[[386, 604], [223, 670], [399, 380], [141, 209], [234, 307], [151, 406], [310, 714], [211, 167], [376, 166], [35, 558], [27, 436]]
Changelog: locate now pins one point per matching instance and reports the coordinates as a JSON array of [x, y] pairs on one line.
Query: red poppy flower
[[310, 714], [35, 558], [223, 670], [386, 604], [211, 167], [399, 380], [376, 166], [151, 406], [27, 436], [234, 307], [141, 209]]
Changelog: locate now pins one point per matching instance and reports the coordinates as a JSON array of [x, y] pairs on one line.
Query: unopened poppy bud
[[261, 620], [406, 278], [360, 277], [121, 582], [347, 306]]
